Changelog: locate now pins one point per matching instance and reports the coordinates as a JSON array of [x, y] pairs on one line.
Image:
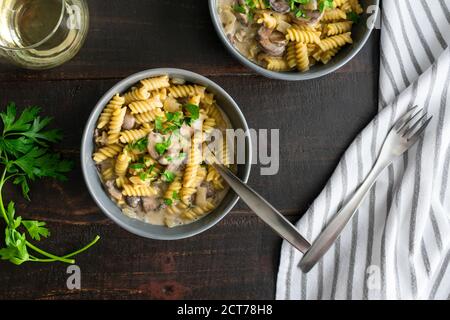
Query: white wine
[[41, 34]]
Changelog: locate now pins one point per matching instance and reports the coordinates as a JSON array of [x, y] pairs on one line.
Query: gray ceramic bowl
[[360, 35], [110, 208]]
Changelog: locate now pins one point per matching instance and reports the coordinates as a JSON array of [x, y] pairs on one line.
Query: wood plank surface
[[238, 258]]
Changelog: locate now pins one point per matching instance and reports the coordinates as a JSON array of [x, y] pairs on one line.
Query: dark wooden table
[[237, 259]]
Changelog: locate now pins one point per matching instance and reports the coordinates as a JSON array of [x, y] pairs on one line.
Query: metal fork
[[405, 133]]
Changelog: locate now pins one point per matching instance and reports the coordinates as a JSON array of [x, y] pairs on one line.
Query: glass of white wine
[[42, 34]]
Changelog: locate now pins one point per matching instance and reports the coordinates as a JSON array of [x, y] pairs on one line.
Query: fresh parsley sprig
[[25, 156]]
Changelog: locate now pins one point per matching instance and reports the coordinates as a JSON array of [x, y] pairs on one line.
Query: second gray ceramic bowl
[[360, 34], [102, 199]]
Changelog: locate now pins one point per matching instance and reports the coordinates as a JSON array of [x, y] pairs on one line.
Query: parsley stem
[[49, 255], [2, 207], [82, 249]]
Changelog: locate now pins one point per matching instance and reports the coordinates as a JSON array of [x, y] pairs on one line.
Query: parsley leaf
[[168, 176], [353, 16], [36, 229], [140, 145], [193, 113]]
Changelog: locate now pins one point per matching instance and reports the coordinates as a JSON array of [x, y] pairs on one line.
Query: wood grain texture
[[239, 257]]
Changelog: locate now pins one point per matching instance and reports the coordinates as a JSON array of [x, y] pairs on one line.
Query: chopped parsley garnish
[[193, 113], [325, 4], [162, 147], [140, 145], [239, 8], [137, 166], [159, 124], [145, 174], [353, 16], [168, 176]]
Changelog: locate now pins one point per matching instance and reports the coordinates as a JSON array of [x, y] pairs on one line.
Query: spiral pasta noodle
[[145, 105], [334, 15], [335, 41], [115, 125], [294, 34], [268, 20], [136, 95], [156, 83], [356, 6], [195, 213], [183, 91], [302, 57], [107, 152], [333, 29], [129, 136], [138, 191], [214, 177], [122, 163], [116, 103], [276, 64], [173, 189], [149, 116], [267, 36], [108, 174]]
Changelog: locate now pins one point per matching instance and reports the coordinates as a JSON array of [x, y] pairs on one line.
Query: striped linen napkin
[[398, 244]]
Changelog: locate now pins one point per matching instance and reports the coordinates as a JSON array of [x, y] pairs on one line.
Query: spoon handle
[[264, 209]]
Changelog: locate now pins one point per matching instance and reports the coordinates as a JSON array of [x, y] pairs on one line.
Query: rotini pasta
[[115, 125], [107, 152], [116, 103], [145, 105], [303, 36], [122, 163], [333, 29], [136, 95], [335, 41], [156, 83], [138, 191], [130, 136]]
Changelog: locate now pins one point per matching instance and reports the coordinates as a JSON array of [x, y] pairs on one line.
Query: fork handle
[[333, 230], [264, 210]]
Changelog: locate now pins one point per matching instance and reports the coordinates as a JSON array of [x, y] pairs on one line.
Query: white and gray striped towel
[[398, 244]]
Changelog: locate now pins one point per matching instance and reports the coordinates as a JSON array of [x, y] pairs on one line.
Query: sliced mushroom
[[311, 18], [133, 201], [101, 137], [186, 131], [150, 203], [128, 122], [113, 191], [272, 42], [281, 6], [312, 14]]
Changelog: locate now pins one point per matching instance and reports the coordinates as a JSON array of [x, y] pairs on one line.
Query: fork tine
[[408, 129], [400, 122], [413, 138]]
